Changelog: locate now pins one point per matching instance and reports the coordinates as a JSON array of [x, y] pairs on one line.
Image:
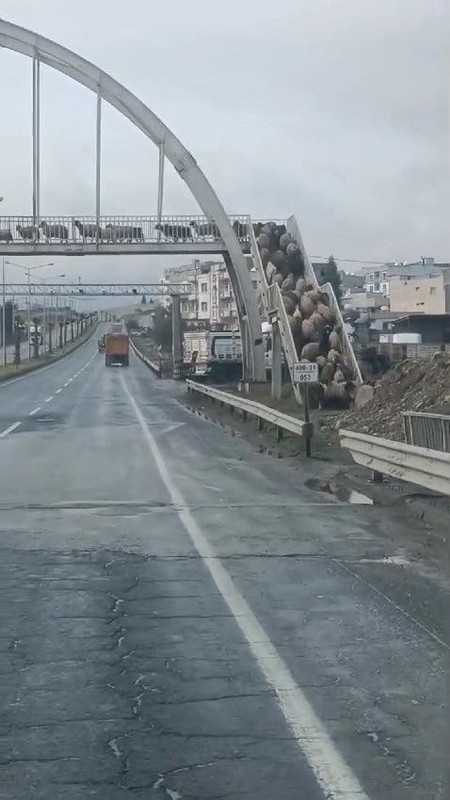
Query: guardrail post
[[260, 424], [377, 477], [445, 442], [279, 434], [244, 416]]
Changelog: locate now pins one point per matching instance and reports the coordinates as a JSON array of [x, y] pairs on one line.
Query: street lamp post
[[28, 270]]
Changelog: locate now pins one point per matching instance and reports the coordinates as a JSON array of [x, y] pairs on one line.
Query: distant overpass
[[95, 289]]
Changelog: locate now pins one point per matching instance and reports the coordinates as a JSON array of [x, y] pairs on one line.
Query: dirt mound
[[419, 385]]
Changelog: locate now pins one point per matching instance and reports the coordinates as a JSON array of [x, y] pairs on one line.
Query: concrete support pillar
[[276, 362], [176, 337]]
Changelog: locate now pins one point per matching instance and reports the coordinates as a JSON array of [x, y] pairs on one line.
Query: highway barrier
[[419, 465], [155, 368], [282, 422]]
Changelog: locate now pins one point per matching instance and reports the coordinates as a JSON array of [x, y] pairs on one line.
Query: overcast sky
[[335, 110]]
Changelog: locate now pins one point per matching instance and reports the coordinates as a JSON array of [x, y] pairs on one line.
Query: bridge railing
[[427, 430], [116, 229]]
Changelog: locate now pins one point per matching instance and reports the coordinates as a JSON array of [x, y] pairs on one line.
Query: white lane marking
[[49, 398], [35, 410], [333, 774], [9, 430], [67, 383], [58, 391]]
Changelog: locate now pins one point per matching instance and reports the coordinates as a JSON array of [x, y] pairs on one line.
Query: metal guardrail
[[427, 430], [259, 410], [419, 465], [156, 368]]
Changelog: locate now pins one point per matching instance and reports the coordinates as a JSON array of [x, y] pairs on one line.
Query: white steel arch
[[41, 49]]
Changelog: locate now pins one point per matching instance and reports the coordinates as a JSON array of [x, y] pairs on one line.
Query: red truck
[[117, 347]]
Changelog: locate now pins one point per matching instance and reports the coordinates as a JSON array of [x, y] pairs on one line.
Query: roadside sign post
[[305, 373]]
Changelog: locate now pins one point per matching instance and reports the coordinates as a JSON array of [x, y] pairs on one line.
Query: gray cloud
[[336, 112]]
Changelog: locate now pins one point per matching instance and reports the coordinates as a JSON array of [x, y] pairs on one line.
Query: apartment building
[[210, 300], [421, 294]]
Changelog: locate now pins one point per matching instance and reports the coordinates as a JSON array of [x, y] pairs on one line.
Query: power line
[[354, 260]]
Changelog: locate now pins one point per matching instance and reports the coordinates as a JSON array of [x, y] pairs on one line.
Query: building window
[[203, 287], [204, 306], [384, 276], [432, 290]]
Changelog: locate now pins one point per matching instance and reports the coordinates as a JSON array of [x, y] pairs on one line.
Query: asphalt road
[[181, 618]]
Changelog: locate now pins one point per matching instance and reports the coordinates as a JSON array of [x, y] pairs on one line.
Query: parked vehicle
[[212, 354]]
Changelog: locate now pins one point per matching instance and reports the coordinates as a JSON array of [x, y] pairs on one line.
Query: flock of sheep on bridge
[[120, 233], [316, 331]]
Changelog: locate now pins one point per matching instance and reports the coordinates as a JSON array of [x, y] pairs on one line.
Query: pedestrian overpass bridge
[[211, 232], [118, 235]]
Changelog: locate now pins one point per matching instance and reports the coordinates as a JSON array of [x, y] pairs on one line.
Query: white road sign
[[306, 372]]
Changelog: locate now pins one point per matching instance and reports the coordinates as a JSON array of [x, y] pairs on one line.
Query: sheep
[[240, 229], [175, 232], [54, 232], [89, 231], [263, 241], [285, 240], [206, 229], [289, 282], [28, 232], [123, 232], [6, 236], [265, 256], [324, 339], [270, 272]]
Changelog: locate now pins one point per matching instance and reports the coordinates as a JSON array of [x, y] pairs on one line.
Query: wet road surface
[[179, 618]]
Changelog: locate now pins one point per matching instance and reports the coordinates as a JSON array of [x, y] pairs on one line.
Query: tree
[[329, 273], [162, 328]]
